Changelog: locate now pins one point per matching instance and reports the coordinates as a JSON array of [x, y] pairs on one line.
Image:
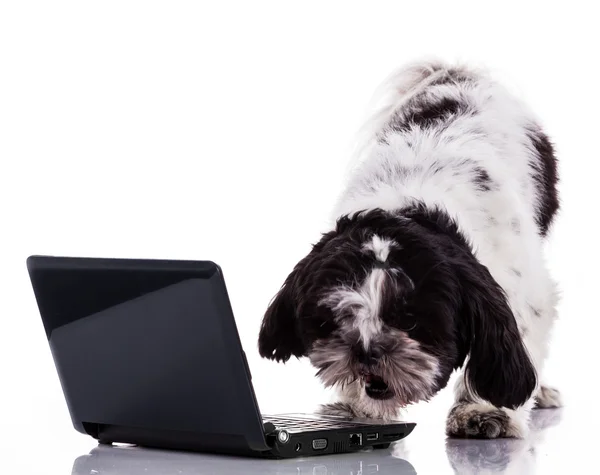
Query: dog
[[435, 261]]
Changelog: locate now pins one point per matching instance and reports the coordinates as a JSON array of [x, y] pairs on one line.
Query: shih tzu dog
[[435, 261]]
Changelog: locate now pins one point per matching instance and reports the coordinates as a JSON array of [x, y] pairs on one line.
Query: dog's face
[[378, 306]]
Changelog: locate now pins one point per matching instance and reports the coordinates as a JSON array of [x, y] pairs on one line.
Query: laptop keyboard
[[307, 425]]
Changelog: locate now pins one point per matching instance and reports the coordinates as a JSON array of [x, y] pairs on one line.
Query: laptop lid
[[148, 346]]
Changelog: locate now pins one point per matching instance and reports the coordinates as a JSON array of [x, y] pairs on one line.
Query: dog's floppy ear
[[279, 338], [499, 368]]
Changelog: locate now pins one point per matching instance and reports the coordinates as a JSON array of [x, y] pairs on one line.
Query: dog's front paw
[[547, 398], [353, 411], [338, 409], [481, 421]]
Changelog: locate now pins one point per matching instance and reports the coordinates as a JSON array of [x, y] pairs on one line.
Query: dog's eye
[[400, 316], [325, 328]]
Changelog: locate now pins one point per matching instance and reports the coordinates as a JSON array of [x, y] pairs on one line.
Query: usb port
[[372, 436]]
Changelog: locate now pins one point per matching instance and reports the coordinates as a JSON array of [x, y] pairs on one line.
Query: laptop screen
[[147, 344]]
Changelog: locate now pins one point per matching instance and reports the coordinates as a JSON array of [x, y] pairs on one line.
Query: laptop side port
[[372, 436], [319, 444], [355, 440]]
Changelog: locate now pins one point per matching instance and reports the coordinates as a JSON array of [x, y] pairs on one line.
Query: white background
[[221, 130]]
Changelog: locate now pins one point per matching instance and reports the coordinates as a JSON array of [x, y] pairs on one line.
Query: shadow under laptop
[[508, 456], [117, 460]]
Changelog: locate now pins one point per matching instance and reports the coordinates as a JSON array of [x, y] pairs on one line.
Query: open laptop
[[148, 353]]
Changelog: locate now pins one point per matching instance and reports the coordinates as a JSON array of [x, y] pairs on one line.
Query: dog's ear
[[279, 338], [499, 369]]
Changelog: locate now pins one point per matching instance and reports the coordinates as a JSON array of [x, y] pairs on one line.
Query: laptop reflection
[[124, 460]]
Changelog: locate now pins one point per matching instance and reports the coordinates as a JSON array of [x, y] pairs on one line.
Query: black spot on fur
[[515, 271], [544, 171], [425, 114], [429, 114], [482, 179]]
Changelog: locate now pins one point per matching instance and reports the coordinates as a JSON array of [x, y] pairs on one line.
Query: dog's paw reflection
[[489, 456], [510, 456]]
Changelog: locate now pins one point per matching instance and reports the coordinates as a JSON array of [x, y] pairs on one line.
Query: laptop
[[148, 353]]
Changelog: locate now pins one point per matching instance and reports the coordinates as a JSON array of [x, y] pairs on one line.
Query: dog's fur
[[435, 262]]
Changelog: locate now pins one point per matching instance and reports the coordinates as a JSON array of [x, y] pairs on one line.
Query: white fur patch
[[364, 303], [380, 247]]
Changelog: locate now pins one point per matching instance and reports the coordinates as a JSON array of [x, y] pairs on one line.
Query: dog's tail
[[396, 90]]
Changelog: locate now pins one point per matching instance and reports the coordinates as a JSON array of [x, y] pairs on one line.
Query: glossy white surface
[[426, 451], [220, 130]]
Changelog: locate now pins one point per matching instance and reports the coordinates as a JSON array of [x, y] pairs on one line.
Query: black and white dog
[[435, 262]]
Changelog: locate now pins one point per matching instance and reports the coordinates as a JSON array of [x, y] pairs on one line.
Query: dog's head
[[390, 304]]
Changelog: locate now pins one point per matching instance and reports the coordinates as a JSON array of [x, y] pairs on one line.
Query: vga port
[[319, 444]]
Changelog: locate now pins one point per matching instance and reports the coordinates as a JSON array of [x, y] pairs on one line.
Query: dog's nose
[[369, 356]]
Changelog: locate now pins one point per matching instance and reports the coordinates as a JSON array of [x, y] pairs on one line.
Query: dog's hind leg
[[547, 398]]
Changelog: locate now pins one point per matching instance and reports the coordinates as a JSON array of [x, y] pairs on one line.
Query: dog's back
[[451, 137]]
